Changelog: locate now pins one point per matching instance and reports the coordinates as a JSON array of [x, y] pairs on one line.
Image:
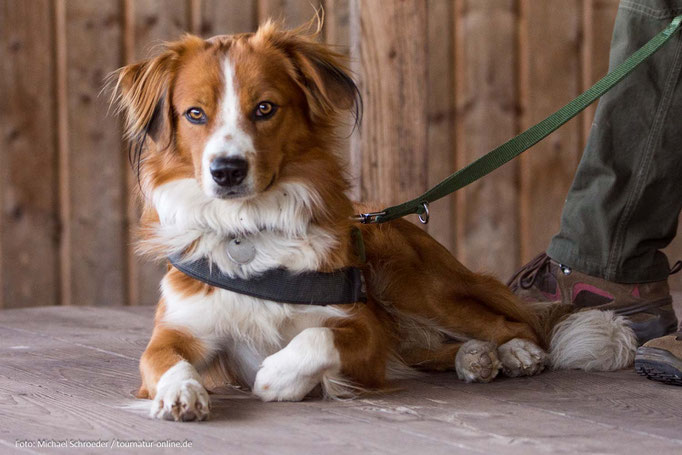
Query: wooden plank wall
[[29, 213], [487, 101], [443, 82]]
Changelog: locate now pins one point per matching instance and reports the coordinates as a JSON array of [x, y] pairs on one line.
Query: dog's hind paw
[[476, 361], [521, 358]]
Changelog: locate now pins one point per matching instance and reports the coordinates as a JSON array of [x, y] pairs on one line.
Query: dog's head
[[232, 111]]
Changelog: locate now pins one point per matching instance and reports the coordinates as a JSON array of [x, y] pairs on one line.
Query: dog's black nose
[[228, 171]]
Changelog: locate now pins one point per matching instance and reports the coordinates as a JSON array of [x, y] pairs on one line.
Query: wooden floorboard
[[68, 373]]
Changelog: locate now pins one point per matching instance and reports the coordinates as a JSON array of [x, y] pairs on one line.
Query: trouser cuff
[[564, 253]]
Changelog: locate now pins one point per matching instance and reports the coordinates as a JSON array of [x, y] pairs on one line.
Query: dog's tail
[[592, 340]]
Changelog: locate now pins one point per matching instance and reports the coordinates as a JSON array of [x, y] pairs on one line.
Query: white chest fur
[[278, 225], [276, 222]]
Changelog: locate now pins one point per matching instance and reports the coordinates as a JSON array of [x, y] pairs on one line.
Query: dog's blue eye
[[265, 110], [196, 115]]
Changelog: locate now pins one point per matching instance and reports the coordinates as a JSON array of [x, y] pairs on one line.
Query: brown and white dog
[[237, 138]]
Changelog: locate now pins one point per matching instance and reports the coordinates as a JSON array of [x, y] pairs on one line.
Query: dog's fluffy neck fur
[[301, 223]]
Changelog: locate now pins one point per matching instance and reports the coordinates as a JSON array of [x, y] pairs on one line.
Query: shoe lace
[[526, 276]]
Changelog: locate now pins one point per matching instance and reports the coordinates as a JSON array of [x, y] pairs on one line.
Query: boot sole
[[658, 365]]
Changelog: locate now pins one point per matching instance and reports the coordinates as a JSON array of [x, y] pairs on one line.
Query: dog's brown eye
[[195, 115], [265, 109]]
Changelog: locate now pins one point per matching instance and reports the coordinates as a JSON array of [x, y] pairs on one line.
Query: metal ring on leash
[[425, 218]]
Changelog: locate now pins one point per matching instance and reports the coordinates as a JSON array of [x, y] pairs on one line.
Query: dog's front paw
[[291, 373], [180, 396], [476, 361], [279, 379], [183, 401], [521, 357]]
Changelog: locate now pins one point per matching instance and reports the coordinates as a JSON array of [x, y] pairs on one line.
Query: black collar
[[345, 285]]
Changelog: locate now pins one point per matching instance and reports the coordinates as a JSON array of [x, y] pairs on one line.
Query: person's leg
[[623, 206]]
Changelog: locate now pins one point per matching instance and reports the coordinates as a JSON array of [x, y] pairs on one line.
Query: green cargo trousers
[[624, 203]]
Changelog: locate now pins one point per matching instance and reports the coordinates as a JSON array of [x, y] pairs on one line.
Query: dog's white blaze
[[227, 139]]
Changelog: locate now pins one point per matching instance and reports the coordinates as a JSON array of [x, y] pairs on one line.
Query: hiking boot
[[648, 306], [661, 359]]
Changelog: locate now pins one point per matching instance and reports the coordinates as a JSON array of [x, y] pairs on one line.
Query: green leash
[[519, 144]]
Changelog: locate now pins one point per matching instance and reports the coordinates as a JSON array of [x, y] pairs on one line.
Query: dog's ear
[[324, 78], [141, 96], [142, 93], [321, 73]]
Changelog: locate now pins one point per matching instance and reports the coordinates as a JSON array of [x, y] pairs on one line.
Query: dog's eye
[[265, 110], [196, 115]]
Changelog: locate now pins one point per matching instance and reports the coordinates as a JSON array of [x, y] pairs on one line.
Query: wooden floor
[[66, 372]]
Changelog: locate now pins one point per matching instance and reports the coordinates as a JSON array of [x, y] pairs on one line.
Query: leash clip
[[367, 218], [424, 217]]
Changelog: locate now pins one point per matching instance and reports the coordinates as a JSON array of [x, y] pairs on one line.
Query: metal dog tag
[[241, 251]]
